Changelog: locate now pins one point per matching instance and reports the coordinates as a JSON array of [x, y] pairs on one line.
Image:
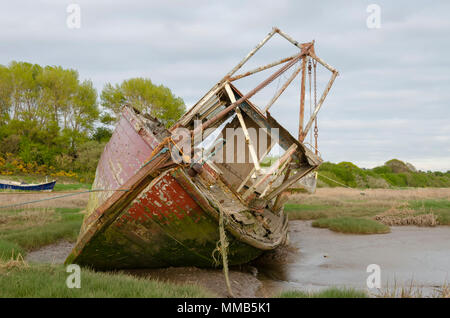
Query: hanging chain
[[316, 129], [310, 95]]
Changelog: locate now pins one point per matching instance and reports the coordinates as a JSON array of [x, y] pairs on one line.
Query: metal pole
[[252, 92], [322, 99], [302, 99], [282, 89], [261, 68]]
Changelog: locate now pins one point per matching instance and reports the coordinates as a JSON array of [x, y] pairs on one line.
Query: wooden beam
[[253, 170], [244, 128], [275, 177]]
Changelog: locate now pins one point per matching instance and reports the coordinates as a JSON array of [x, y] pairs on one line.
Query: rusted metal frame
[[272, 169], [188, 116], [253, 91], [283, 167], [251, 53], [325, 64], [261, 68], [319, 105], [244, 128], [302, 99], [287, 37], [290, 181], [283, 88]]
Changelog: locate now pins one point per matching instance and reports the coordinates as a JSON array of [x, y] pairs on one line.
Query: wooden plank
[[272, 169], [289, 182]]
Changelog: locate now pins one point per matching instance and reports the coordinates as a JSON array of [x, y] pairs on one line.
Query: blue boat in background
[[12, 185]]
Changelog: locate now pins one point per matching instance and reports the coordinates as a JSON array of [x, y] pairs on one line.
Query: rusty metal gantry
[[306, 50], [212, 112]]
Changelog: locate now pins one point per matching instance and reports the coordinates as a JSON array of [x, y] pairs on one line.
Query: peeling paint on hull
[[163, 226]]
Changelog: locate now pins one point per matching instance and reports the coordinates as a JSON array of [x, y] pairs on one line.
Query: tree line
[[50, 117]]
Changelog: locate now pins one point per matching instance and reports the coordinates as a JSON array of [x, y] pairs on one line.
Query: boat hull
[[35, 187], [169, 223], [166, 225]]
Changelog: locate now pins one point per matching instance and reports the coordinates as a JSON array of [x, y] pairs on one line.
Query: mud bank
[[244, 282]]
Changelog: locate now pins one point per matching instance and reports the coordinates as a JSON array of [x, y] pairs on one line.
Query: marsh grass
[[352, 225], [71, 186], [327, 293], [21, 280], [24, 230], [411, 291], [421, 206]]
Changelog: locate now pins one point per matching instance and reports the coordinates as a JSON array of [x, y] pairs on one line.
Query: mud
[[316, 259], [409, 255], [52, 254]]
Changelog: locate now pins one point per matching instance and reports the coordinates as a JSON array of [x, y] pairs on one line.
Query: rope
[[54, 198], [222, 247], [344, 185], [164, 150]]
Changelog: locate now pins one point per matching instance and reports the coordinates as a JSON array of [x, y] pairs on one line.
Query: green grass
[[24, 230], [439, 207], [352, 225], [328, 293], [305, 211], [71, 186], [50, 281], [9, 250], [316, 209], [24, 237]]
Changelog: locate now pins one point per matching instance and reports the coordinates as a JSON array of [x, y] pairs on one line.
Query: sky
[[390, 100]]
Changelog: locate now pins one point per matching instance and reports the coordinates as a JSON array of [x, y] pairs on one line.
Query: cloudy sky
[[391, 100]]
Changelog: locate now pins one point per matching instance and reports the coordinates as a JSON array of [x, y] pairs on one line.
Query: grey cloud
[[391, 99]]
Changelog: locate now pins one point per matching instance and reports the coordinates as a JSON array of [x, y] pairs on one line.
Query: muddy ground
[[244, 281], [317, 259]]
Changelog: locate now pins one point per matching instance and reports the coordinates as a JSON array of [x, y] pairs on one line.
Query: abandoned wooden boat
[[13, 185], [167, 201]]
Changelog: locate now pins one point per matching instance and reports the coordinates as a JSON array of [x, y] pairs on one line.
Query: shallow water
[[324, 258]]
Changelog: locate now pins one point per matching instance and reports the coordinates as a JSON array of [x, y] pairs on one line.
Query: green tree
[[141, 93], [59, 87], [25, 90], [5, 93]]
